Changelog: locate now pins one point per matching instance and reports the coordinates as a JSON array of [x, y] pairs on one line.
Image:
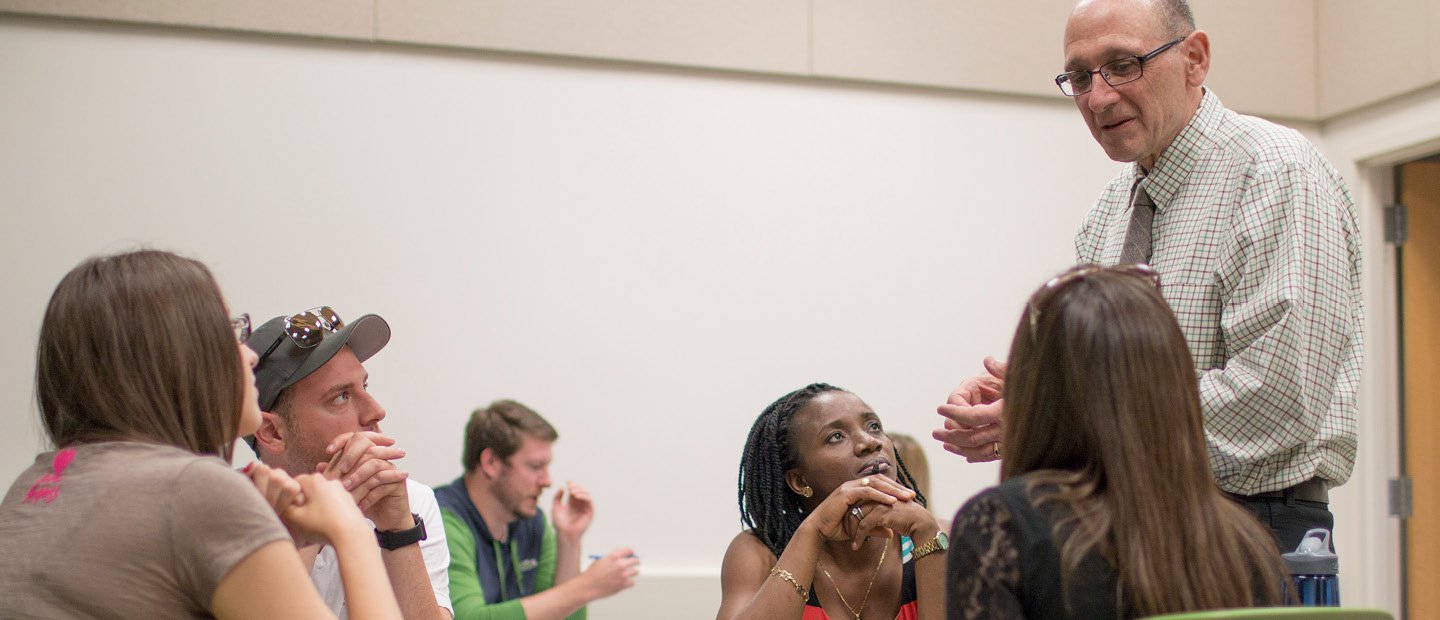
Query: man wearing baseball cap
[[319, 417]]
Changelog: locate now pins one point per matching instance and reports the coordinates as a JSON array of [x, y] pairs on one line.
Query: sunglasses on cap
[[306, 329]]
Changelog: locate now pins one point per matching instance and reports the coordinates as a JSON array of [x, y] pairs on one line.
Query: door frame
[[1402, 376], [1373, 563]]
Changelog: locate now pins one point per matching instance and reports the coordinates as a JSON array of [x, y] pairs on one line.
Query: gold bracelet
[[785, 574]]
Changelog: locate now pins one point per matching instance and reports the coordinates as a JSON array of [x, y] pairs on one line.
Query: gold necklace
[[865, 601]]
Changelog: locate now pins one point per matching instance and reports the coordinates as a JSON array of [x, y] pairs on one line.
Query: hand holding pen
[[613, 572], [596, 556]]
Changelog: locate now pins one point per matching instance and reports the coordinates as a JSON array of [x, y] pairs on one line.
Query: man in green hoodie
[[506, 560]]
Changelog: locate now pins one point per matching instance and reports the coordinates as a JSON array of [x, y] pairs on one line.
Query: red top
[[908, 611]]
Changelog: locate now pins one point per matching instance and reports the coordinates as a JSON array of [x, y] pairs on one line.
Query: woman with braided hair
[[835, 527]]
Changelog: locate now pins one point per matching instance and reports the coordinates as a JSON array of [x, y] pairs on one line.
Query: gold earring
[[807, 491]]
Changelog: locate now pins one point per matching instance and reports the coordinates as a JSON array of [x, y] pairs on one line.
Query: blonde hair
[[914, 458]]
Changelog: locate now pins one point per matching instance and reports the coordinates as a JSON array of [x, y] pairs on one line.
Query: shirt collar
[[1163, 181]]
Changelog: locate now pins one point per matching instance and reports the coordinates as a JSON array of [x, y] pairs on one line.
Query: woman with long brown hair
[[1106, 507], [143, 388]]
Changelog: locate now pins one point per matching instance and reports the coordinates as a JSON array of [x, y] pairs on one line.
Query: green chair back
[[1281, 613]]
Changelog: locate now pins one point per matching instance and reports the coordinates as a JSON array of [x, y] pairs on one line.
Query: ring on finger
[[997, 450], [855, 510], [865, 482]]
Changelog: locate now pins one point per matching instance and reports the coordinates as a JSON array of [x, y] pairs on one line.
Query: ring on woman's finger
[[855, 510], [865, 482]]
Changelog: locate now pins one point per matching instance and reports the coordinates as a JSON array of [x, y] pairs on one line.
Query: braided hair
[[768, 506]]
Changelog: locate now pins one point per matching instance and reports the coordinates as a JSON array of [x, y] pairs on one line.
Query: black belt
[[1312, 490]]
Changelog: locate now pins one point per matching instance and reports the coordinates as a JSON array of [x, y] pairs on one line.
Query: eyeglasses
[[1047, 292], [242, 327], [306, 329], [1116, 72]]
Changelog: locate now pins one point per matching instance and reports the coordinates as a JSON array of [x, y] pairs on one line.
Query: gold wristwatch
[[940, 542]]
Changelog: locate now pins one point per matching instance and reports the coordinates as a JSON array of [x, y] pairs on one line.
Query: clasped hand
[[310, 506], [364, 462], [870, 506]]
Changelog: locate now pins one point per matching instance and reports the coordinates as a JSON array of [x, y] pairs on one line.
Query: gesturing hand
[[974, 415], [571, 518]]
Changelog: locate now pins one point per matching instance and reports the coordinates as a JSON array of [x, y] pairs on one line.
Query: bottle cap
[[1313, 556]]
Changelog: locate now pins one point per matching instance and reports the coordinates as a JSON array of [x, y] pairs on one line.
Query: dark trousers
[[1289, 518]]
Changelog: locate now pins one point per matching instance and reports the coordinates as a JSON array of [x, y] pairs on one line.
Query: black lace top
[[1004, 562]]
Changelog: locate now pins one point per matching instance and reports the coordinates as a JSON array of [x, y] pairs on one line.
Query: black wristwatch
[[391, 541]]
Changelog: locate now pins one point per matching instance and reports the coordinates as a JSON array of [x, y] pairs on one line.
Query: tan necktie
[[1137, 239]]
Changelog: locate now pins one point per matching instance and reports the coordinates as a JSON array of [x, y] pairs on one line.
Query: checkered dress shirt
[[1256, 242]]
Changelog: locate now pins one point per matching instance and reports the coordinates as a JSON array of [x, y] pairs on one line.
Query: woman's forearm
[[780, 595], [929, 576], [368, 595]]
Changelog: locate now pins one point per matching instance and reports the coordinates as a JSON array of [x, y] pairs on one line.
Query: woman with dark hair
[[143, 388], [1107, 507], [835, 527]]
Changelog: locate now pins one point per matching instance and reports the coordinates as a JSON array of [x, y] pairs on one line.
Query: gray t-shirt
[[126, 530]]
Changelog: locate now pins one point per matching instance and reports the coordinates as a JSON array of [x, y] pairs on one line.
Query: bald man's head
[[1136, 114], [1169, 18]]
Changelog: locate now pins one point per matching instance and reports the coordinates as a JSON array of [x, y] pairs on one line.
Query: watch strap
[[940, 542], [391, 541]]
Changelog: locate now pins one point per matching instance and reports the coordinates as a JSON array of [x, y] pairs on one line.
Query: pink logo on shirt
[[47, 488]]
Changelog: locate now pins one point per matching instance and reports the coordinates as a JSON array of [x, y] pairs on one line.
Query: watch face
[[940, 542]]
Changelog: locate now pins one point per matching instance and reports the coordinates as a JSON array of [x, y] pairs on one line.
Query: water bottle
[[1315, 570]]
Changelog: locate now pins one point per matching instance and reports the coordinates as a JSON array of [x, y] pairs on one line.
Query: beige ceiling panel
[[346, 19], [1262, 55], [1371, 51], [747, 35], [989, 45]]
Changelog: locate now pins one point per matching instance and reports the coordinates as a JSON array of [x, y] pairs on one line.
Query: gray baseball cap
[[283, 362]]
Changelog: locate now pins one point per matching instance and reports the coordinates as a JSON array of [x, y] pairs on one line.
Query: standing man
[[506, 561], [319, 417], [1254, 235]]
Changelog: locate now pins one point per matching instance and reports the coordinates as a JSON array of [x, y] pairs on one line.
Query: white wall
[[646, 256]]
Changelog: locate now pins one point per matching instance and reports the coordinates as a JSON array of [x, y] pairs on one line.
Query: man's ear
[[490, 464], [271, 434], [1197, 59]]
